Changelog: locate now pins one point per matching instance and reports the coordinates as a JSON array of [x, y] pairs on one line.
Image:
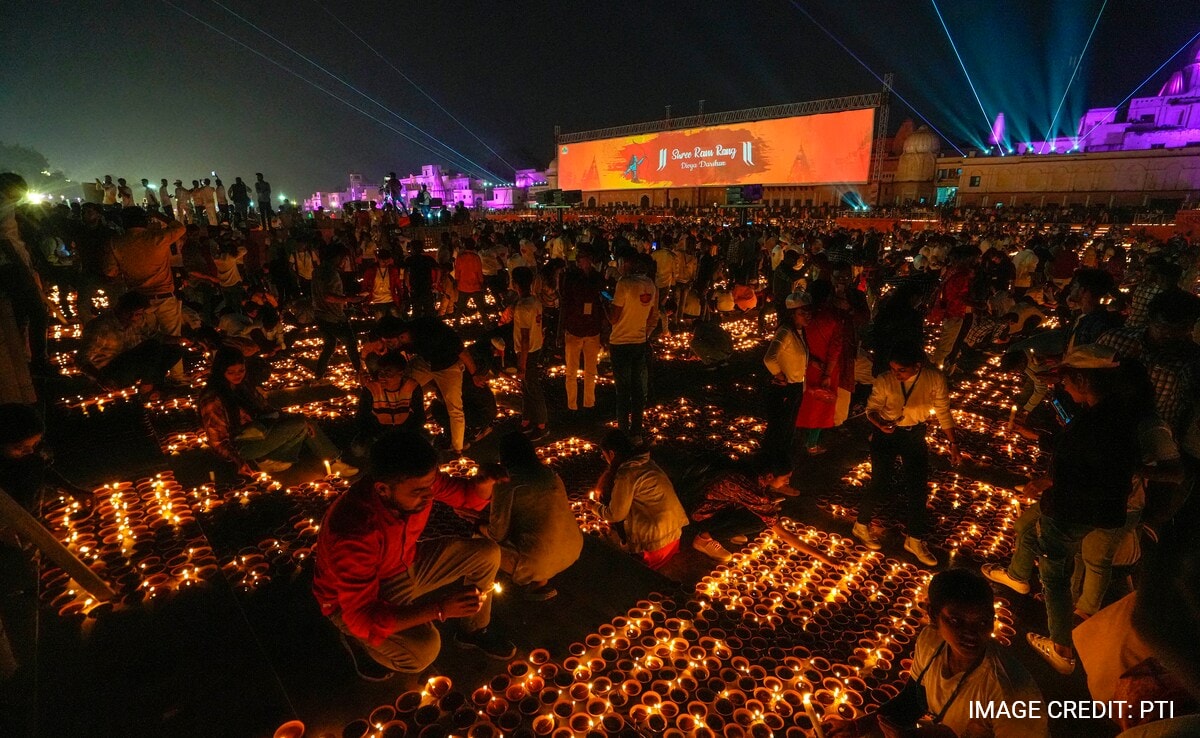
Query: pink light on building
[[1170, 119]]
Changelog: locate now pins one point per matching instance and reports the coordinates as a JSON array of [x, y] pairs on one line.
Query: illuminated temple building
[[1168, 120], [449, 187], [1147, 156]]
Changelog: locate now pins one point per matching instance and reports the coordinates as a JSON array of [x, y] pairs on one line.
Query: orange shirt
[[468, 271], [141, 257]]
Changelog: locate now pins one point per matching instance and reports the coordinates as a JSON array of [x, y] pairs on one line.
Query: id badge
[[587, 308]]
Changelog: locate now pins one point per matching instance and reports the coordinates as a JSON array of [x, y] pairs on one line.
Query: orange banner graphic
[[804, 150]]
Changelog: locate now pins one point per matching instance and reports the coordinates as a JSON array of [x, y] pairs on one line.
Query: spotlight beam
[[409, 80], [1135, 89], [870, 71], [987, 121], [303, 79], [479, 169], [1054, 120]]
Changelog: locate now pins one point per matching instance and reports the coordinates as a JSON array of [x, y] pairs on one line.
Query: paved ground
[[216, 660]]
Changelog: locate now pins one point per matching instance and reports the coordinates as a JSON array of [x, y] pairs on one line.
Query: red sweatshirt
[[363, 543], [956, 293]]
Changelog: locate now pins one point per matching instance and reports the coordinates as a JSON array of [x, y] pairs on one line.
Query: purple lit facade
[[451, 189], [1168, 120]]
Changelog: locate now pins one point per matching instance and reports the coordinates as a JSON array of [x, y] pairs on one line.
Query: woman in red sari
[[825, 334]]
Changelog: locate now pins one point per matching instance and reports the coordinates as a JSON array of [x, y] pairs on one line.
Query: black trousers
[[909, 448], [782, 406], [533, 395], [730, 523], [147, 362], [332, 333]]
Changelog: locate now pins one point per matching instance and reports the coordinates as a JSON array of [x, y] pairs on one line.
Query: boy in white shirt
[[527, 342]]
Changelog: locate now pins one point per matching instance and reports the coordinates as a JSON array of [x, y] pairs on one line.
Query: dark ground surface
[[214, 661]]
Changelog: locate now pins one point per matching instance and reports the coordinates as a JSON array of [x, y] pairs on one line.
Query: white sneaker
[[917, 547], [270, 466], [1000, 575], [864, 534], [709, 546], [343, 469], [1045, 648]]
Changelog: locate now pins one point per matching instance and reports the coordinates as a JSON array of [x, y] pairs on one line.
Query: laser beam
[[987, 121], [1135, 89], [302, 78], [479, 168], [409, 80], [1054, 120], [864, 65]]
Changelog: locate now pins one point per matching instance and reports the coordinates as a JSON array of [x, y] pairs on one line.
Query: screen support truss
[[812, 107], [881, 132]]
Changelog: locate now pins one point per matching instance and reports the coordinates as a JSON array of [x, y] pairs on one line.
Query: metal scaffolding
[[812, 107], [881, 132]]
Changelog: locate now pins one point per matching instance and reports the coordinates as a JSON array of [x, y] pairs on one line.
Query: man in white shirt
[[229, 276], [1025, 263], [632, 313], [125, 194], [527, 344], [204, 197], [109, 189], [902, 399], [149, 196], [183, 203], [516, 259], [687, 263], [664, 278], [787, 360], [222, 200], [164, 195], [557, 246]]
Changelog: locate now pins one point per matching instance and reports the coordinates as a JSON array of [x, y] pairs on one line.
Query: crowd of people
[[1100, 328]]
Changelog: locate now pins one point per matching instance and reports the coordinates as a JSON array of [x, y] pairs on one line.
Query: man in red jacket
[[954, 306], [383, 283], [383, 586]]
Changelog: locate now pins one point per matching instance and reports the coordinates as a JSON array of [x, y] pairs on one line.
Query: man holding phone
[[901, 401]]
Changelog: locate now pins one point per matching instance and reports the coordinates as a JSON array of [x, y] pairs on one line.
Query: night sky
[[139, 89]]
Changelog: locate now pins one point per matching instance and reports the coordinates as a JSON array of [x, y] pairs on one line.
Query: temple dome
[[922, 141], [1185, 81]]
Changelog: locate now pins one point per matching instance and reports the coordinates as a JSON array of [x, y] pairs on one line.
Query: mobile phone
[[1063, 415], [606, 295]]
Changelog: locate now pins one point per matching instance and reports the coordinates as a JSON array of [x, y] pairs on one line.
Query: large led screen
[[803, 150]]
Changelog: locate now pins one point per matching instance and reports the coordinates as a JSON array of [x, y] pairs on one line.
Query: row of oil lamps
[[745, 333], [771, 643], [139, 531], [971, 519]]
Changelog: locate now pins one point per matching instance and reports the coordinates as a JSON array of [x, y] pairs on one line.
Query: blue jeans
[[284, 437], [632, 377], [1093, 566], [1025, 549], [1059, 543]]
